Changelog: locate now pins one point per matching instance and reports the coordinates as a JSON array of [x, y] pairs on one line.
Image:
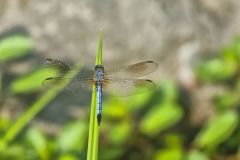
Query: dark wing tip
[[45, 81], [150, 84], [148, 80], [49, 78], [51, 81], [145, 82], [150, 61], [153, 62]]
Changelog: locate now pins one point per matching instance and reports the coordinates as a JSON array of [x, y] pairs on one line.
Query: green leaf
[[93, 128], [120, 133], [114, 108], [217, 70], [170, 93], [173, 140], [197, 155], [35, 108], [99, 53], [226, 100], [169, 154], [68, 157], [232, 51], [237, 85], [4, 123], [32, 82], [73, 137], [111, 153], [14, 152], [160, 118], [39, 142], [217, 130], [14, 47], [136, 101], [229, 53]]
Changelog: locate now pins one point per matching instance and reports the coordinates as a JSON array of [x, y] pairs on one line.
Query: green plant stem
[[93, 126], [33, 110]]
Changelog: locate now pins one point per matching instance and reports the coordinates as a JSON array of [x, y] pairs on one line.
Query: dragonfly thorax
[[98, 73]]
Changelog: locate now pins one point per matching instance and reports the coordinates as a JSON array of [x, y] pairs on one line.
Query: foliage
[[14, 47], [94, 128], [153, 125]]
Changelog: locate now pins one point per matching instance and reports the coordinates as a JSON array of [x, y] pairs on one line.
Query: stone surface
[[133, 30]]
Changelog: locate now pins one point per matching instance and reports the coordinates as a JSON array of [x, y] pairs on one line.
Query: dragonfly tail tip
[[99, 118]]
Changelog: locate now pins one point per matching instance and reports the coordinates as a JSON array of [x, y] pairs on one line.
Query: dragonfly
[[119, 81]]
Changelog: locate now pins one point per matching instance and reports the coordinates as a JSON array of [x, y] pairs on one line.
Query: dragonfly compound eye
[[98, 67]]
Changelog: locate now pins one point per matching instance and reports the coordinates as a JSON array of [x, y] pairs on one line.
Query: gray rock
[[132, 30]]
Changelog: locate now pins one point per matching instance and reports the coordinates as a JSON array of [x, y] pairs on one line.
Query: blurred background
[[192, 115]]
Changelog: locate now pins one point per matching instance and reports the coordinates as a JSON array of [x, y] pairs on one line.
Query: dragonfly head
[[98, 67], [99, 71]]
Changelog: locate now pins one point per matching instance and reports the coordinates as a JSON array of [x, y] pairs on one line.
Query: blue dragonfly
[[119, 81]]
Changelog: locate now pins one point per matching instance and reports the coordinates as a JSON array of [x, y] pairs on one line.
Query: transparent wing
[[131, 71], [75, 86], [126, 87], [82, 81], [116, 87], [118, 80], [63, 68]]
